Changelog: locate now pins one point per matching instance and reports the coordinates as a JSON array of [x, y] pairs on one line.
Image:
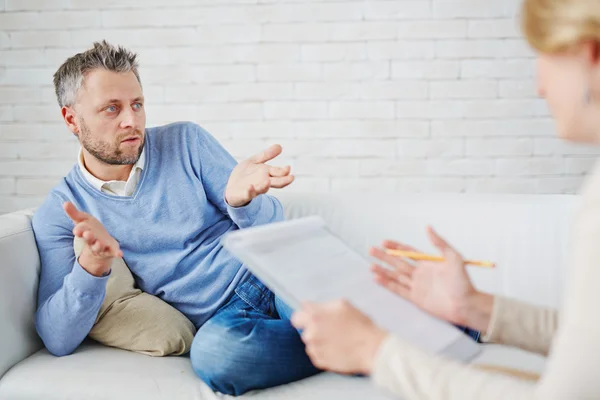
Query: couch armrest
[[19, 273]]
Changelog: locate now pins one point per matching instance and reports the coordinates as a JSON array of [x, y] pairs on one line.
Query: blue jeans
[[250, 344], [475, 335]]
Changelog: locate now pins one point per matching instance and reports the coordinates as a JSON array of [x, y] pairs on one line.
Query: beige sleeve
[[410, 373], [132, 320], [521, 325], [573, 363]]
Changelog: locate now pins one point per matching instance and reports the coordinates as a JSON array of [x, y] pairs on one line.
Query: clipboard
[[303, 260]]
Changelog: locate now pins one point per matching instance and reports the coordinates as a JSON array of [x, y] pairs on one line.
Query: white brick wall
[[390, 95]]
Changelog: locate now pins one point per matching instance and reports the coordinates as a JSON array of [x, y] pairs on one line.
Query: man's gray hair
[[68, 79]]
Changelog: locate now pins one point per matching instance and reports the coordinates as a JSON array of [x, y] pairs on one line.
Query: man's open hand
[[253, 177], [100, 248]]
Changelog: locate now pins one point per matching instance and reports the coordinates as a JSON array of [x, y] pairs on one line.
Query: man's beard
[[106, 153]]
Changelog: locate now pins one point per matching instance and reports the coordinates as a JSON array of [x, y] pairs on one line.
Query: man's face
[[111, 117]]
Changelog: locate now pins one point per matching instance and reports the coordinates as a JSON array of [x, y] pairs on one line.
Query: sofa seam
[[15, 233]]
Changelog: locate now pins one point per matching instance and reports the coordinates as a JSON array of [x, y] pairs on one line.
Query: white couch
[[525, 234]]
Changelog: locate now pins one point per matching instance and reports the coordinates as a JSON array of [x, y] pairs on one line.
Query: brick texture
[[388, 95]]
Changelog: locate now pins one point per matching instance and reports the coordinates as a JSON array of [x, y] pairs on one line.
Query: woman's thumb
[[438, 241]]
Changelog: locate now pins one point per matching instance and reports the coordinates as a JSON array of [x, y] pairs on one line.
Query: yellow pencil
[[413, 255]]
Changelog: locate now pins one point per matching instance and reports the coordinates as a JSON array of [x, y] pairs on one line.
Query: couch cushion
[[19, 269], [98, 372]]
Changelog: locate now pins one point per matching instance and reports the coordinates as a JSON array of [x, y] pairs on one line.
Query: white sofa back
[[526, 236], [19, 271]]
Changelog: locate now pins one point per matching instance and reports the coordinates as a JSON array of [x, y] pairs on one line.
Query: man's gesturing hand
[[100, 248], [253, 177]]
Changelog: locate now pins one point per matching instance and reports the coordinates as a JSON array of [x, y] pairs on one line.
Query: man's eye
[[111, 108], [137, 106]]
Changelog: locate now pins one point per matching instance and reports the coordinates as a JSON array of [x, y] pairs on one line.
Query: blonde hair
[[557, 25]]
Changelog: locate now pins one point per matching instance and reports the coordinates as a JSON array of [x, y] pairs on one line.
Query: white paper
[[302, 260]]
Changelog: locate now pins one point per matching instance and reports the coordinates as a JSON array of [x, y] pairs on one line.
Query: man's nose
[[128, 120]]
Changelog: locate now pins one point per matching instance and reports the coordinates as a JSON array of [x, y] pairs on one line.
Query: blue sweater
[[169, 232]]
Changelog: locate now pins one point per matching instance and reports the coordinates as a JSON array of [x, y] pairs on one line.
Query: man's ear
[[68, 114]]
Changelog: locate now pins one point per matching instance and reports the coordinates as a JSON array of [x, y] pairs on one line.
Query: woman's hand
[[442, 289], [339, 337]]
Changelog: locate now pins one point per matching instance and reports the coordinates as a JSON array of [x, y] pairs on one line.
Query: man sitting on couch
[[160, 198]]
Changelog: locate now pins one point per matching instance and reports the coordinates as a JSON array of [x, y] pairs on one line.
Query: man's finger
[[93, 245], [74, 213], [279, 171], [267, 155], [81, 228], [89, 237], [262, 187], [279, 183], [98, 247]]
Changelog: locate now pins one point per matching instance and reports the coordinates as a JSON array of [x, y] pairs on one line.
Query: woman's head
[[566, 35]]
